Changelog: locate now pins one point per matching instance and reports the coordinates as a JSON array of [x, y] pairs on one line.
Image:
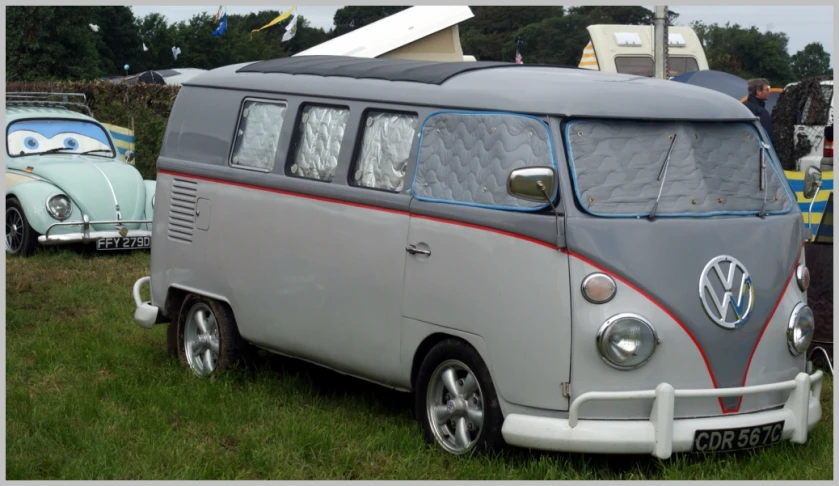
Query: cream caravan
[[629, 49]]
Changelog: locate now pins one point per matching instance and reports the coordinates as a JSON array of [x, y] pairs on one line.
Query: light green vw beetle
[[65, 180]]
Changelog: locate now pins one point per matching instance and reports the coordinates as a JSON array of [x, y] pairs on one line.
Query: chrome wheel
[[201, 339], [455, 406], [14, 230]]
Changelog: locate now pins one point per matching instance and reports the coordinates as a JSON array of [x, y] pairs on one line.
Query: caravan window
[[318, 142], [638, 66], [681, 65]]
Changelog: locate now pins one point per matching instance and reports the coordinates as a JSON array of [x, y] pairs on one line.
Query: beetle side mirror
[[129, 156], [812, 182], [532, 183]]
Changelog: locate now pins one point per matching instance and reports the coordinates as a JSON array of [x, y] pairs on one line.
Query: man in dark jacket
[[756, 103]]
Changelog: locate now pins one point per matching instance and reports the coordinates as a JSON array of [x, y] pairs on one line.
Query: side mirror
[[812, 182], [532, 183], [129, 156]]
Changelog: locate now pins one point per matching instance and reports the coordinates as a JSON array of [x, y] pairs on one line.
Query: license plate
[[126, 243], [724, 440]]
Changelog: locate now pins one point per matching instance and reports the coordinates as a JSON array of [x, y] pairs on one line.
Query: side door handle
[[413, 250]]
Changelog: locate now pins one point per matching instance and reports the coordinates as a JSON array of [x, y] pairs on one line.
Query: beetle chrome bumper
[[146, 314], [662, 434], [87, 236]]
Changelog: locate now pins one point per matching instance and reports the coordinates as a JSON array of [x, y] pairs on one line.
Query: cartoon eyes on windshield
[[71, 143], [30, 143]]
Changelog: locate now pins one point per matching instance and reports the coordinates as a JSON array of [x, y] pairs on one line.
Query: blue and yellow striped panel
[[796, 181], [123, 138]]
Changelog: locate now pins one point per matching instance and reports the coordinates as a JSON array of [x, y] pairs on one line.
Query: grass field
[[90, 395]]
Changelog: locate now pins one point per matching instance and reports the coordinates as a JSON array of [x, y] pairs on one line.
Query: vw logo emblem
[[726, 292]]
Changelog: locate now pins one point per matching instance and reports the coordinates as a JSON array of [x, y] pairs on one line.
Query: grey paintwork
[[663, 258]]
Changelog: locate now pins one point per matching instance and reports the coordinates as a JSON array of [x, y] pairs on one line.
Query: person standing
[[756, 103]]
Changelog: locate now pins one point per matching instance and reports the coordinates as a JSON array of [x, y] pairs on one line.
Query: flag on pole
[[145, 49], [291, 30], [518, 54], [276, 21], [222, 26], [218, 14], [94, 27], [176, 51]]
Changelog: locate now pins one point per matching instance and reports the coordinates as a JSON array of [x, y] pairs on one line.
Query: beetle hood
[[89, 181]]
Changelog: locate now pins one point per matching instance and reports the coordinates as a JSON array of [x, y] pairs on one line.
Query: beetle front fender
[[151, 187], [33, 199]]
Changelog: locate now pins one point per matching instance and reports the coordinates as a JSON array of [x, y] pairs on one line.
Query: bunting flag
[[291, 30], [276, 21], [145, 49], [222, 26], [94, 27], [176, 51]]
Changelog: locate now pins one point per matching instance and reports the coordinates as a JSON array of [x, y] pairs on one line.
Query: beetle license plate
[[725, 440], [126, 243]]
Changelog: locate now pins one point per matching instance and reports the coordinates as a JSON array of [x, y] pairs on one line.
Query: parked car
[[66, 183], [579, 264]]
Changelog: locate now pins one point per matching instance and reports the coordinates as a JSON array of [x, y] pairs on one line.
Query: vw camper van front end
[[617, 270]]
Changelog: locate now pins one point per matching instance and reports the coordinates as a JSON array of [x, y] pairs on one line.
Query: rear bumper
[[87, 236], [662, 434], [146, 315]]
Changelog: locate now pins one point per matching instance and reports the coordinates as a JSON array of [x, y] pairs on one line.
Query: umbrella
[[725, 83], [151, 77]]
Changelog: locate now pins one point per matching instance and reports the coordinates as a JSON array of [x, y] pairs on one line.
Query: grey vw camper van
[[546, 257]]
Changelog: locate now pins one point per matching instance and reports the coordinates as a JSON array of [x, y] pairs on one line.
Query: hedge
[[147, 104]]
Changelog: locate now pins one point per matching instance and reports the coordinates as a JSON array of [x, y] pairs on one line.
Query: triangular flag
[[144, 47], [218, 14], [94, 27], [291, 30], [277, 20]]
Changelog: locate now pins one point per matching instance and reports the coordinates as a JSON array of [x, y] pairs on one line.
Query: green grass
[[90, 395]]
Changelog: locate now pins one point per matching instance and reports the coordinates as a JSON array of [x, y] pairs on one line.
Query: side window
[[638, 66], [385, 150], [318, 142], [258, 134]]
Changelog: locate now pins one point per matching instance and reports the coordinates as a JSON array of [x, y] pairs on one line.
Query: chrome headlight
[[626, 341], [59, 207], [802, 275], [802, 323]]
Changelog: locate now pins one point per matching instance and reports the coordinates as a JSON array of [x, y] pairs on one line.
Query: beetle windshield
[[29, 137]]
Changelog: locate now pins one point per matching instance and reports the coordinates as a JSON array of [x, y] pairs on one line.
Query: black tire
[[457, 352], [233, 351], [28, 237]]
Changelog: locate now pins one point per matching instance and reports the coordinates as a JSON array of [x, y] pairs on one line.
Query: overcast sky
[[802, 24]]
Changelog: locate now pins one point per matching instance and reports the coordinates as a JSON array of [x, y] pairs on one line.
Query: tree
[[557, 40], [50, 43], [490, 33], [118, 39], [811, 61], [353, 17], [747, 53], [622, 15]]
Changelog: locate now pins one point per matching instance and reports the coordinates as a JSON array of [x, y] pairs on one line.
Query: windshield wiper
[[96, 150], [762, 213], [661, 174], [54, 150]]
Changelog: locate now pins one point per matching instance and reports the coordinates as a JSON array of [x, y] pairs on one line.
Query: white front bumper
[[662, 434]]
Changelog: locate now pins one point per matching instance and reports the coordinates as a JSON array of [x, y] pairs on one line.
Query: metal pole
[[660, 42]]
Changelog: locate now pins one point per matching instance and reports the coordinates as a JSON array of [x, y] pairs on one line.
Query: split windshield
[[31, 137], [713, 169]]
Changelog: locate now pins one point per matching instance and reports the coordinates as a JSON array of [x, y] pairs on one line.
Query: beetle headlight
[[626, 341], [802, 323], [59, 206]]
